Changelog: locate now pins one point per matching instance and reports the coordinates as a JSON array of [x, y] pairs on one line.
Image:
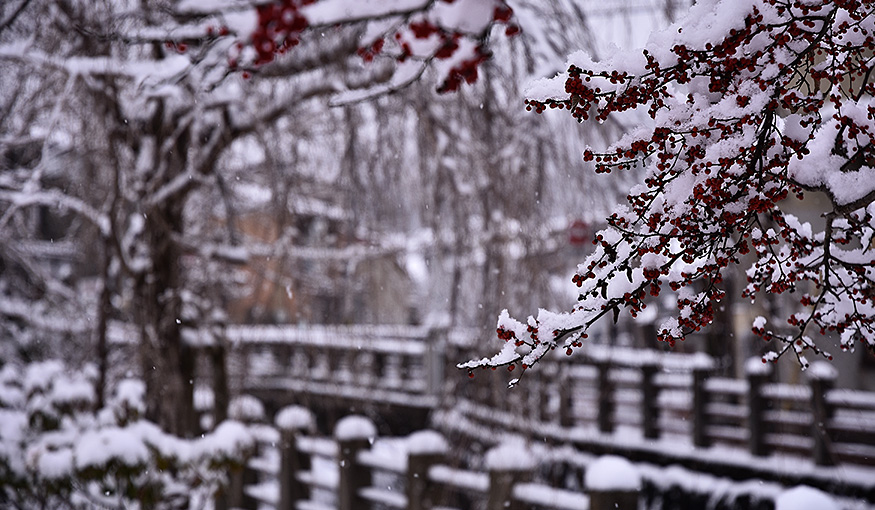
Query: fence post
[[293, 421], [249, 410], [701, 399], [566, 396], [650, 399], [821, 377], [425, 449], [612, 483], [508, 464], [606, 397], [353, 434], [757, 375]]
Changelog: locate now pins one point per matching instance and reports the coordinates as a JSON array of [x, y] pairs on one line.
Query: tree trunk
[[168, 364]]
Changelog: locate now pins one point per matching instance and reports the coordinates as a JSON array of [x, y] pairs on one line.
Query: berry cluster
[[279, 26], [281, 23], [447, 43], [735, 123]]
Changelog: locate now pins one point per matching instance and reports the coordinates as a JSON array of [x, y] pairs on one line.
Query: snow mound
[[355, 427], [510, 456], [294, 418], [612, 473], [230, 440], [755, 366], [246, 408], [822, 370], [426, 442], [803, 497], [99, 447], [130, 394]]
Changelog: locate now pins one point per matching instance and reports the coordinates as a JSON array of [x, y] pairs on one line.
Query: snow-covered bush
[[56, 451]]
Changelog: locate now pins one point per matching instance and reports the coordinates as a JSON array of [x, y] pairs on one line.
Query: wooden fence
[[679, 398], [356, 470]]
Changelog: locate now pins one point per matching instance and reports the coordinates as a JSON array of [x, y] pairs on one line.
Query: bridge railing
[[377, 363], [606, 388], [653, 395]]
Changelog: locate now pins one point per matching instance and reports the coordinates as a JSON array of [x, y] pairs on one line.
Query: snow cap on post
[[756, 366], [803, 497], [822, 370], [292, 418], [355, 427], [246, 408], [612, 473], [426, 442], [510, 456]]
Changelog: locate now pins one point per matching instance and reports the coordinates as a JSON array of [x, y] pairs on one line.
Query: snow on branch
[[54, 199], [748, 103]]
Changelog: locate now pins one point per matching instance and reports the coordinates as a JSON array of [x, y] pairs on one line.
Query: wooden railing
[[401, 365], [602, 388], [678, 397], [356, 470]]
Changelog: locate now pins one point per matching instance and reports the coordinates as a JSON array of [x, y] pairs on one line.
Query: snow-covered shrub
[[57, 451]]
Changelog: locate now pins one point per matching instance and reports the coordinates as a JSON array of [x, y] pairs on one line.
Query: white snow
[[803, 497], [230, 439], [425, 442], [822, 370], [130, 393], [355, 427], [756, 366], [98, 447], [295, 418], [246, 408], [510, 456], [612, 473]]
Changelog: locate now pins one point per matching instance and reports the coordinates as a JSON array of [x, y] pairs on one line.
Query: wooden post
[[354, 434], [249, 410], [821, 377], [650, 400], [612, 483], [757, 375], [425, 449], [508, 464], [606, 398], [566, 397], [293, 421], [701, 400]]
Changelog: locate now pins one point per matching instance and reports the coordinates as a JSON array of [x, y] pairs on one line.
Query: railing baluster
[[701, 399], [757, 376], [606, 398], [821, 377], [649, 400]]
